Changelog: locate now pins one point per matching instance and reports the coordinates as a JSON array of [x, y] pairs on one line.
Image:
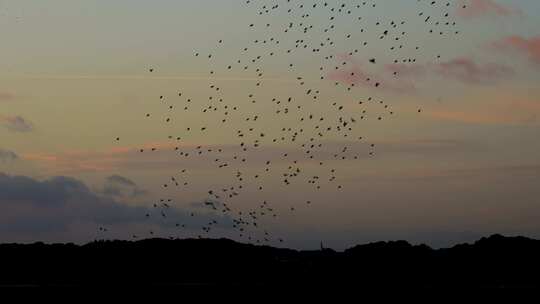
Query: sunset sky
[[74, 76]]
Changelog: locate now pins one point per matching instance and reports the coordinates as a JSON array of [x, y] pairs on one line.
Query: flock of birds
[[286, 35]]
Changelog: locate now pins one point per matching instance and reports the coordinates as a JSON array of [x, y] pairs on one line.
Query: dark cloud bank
[[16, 124], [30, 208]]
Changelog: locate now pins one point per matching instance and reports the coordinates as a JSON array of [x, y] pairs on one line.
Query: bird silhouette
[[297, 127]]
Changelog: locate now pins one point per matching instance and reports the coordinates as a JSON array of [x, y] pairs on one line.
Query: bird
[[284, 135]]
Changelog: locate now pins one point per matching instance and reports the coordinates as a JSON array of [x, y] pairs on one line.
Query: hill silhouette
[[492, 262]]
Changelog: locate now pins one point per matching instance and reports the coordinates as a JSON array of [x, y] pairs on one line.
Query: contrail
[[136, 77]]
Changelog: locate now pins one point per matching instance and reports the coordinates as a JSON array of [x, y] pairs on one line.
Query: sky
[[74, 76]]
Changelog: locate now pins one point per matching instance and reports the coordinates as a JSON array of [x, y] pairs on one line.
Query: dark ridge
[[492, 262]]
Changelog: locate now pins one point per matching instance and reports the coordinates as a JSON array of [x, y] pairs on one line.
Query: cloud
[[7, 155], [424, 146], [491, 111], [170, 77], [128, 158], [528, 47], [208, 204], [463, 69], [471, 9], [408, 70], [58, 204], [402, 78], [4, 96], [467, 71], [119, 186], [473, 172], [117, 179], [356, 75], [16, 124]]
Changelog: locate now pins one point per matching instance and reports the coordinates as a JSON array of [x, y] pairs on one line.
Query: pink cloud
[[355, 75], [470, 9], [4, 96], [351, 76], [402, 78], [485, 118], [467, 71], [408, 70], [530, 47], [511, 112], [110, 159]]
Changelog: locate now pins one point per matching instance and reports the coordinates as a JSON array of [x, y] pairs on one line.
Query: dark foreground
[[492, 262]]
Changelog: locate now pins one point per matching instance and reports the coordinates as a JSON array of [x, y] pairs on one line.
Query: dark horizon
[[276, 122], [321, 246], [495, 262]]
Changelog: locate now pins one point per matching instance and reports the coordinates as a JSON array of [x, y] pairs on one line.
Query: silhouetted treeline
[[496, 261]]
